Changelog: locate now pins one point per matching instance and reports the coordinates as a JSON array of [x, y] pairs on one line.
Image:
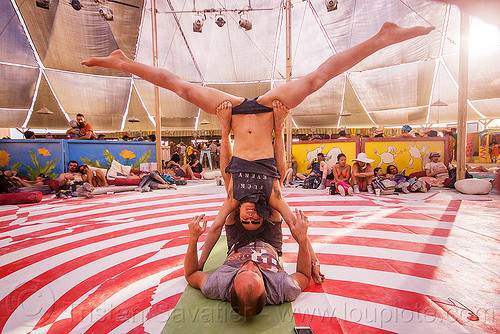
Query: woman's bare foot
[[224, 112], [280, 114], [391, 33], [115, 60]]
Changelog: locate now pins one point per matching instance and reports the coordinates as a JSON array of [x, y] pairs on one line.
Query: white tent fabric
[[41, 50]]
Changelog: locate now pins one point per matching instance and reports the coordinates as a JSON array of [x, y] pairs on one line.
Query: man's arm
[[193, 275], [229, 205], [278, 203], [303, 274], [280, 114]]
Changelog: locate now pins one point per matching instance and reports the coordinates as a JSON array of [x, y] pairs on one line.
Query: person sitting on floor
[[73, 175], [342, 176], [196, 167], [362, 174], [435, 170], [95, 178], [178, 170], [405, 183]]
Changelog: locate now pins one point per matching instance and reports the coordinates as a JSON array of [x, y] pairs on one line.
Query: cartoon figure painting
[[387, 157], [311, 155], [416, 153], [331, 156]]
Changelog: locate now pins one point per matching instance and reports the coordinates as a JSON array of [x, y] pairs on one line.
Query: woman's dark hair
[[340, 155], [192, 156], [376, 170], [389, 167], [43, 176], [175, 158]]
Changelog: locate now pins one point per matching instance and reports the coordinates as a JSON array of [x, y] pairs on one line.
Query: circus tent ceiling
[[43, 84]]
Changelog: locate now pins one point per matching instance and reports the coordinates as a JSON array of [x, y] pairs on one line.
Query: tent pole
[[463, 78], [159, 165], [288, 78]]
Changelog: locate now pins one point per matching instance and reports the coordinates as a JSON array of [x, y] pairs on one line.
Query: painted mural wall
[[405, 153]]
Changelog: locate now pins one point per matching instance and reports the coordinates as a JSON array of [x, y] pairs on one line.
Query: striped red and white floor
[[425, 263]]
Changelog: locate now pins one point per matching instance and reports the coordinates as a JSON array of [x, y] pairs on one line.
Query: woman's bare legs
[[294, 92], [205, 98]]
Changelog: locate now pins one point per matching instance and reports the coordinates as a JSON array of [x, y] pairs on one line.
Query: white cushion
[[473, 186], [210, 175], [118, 170]]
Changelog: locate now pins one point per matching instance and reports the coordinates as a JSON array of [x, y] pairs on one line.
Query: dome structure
[[44, 85]]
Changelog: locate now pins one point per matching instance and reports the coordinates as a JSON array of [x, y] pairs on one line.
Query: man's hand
[[299, 227], [195, 230]]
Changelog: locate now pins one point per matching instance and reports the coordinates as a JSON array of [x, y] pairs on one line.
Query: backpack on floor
[[312, 182], [386, 186]]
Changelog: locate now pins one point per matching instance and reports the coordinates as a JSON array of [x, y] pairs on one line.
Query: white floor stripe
[[366, 251], [353, 232], [375, 315]]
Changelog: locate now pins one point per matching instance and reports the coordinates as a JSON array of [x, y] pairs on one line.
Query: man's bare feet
[[280, 114], [391, 33], [224, 112], [115, 60]]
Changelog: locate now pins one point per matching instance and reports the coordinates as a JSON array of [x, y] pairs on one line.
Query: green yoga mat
[[195, 313]]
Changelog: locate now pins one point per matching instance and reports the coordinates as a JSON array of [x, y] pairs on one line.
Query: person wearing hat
[[379, 132], [436, 171], [405, 131], [362, 174]]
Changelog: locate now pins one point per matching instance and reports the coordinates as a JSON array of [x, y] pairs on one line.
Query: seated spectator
[[84, 131], [101, 137], [342, 135], [29, 135], [95, 177], [405, 131], [290, 174], [178, 170], [436, 171], [73, 175], [195, 164], [405, 183], [39, 180], [342, 176], [74, 132], [320, 168], [362, 174]]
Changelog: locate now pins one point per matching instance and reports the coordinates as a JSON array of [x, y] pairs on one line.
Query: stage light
[[76, 4], [245, 22], [219, 20], [331, 5], [43, 3], [198, 23], [106, 13]]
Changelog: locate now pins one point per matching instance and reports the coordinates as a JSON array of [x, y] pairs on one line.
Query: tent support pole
[[159, 165], [463, 78], [288, 78]]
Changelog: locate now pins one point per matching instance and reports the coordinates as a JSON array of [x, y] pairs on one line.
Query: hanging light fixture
[[106, 13], [198, 23], [439, 103], [133, 120], [331, 5], [245, 22], [219, 20], [43, 4]]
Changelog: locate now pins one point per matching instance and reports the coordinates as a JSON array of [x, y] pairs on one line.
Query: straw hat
[[363, 158]]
